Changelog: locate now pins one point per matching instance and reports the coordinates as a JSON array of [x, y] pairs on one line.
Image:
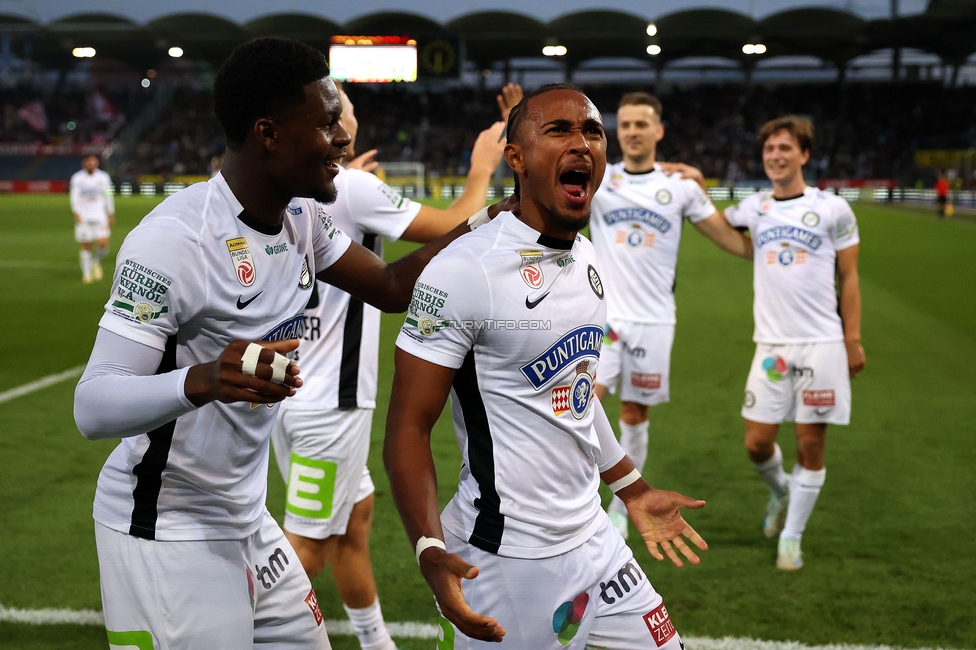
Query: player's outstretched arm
[[656, 515], [486, 154], [723, 235], [420, 389], [850, 307]]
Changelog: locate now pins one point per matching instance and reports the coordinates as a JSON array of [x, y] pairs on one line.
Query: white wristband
[[479, 218], [279, 367], [249, 360], [425, 543], [623, 482]]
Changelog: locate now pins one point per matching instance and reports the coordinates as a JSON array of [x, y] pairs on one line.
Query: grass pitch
[[890, 551]]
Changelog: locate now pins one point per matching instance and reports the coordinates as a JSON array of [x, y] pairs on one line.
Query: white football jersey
[[368, 210], [795, 244], [520, 316], [636, 230], [198, 272], [92, 195]]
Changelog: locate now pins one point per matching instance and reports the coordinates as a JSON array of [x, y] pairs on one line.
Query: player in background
[[509, 321], [327, 423], [93, 204], [807, 311], [636, 231], [188, 367], [942, 194]]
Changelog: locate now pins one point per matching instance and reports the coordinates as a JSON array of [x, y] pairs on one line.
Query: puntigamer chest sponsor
[[639, 215], [293, 328], [584, 341], [140, 292]]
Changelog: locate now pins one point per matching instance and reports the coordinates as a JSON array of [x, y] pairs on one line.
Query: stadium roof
[[140, 33]]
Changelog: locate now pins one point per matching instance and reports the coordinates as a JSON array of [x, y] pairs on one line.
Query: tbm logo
[[630, 570], [268, 575]]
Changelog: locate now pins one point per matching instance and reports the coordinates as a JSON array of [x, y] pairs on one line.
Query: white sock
[[633, 439], [85, 257], [100, 254], [804, 490], [772, 472], [370, 628]]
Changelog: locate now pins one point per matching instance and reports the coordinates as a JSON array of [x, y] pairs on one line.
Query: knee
[[632, 413]]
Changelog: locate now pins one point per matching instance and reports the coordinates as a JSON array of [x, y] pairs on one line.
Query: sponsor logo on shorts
[[268, 575], [819, 398], [659, 623], [749, 400], [530, 270], [240, 255], [313, 604], [567, 617], [627, 579], [810, 219], [663, 197], [584, 341], [595, 282], [648, 380], [775, 368], [609, 336]]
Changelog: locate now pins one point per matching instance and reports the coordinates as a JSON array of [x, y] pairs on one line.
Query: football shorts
[[215, 594], [594, 595], [637, 356], [804, 382], [322, 457], [89, 231]]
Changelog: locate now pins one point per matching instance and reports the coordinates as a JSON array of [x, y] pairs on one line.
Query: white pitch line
[[43, 382], [417, 630], [33, 264]]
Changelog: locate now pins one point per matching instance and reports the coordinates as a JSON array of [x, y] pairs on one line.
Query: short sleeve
[[377, 207], [328, 242], [698, 206], [451, 302], [739, 215], [843, 232], [160, 283]]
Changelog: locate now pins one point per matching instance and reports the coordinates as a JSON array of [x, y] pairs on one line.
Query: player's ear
[[806, 156], [660, 132], [265, 132], [514, 158]]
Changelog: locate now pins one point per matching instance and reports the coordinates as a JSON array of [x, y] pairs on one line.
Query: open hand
[[656, 516], [444, 572], [365, 162], [687, 171]]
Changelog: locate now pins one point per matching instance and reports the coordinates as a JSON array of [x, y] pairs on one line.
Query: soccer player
[[808, 338], [188, 555], [636, 230], [510, 321], [942, 194], [326, 425], [93, 204]]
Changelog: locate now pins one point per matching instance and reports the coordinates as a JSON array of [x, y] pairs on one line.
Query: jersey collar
[[245, 217], [530, 234]]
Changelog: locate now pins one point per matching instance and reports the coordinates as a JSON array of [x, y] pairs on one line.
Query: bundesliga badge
[[240, 255], [530, 270], [305, 279]]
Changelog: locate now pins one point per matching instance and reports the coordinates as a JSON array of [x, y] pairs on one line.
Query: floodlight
[[651, 29], [653, 49], [176, 52]]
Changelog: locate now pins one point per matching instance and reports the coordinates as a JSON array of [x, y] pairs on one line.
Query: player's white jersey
[[521, 317], [795, 244], [367, 209], [636, 229], [92, 195], [198, 272]]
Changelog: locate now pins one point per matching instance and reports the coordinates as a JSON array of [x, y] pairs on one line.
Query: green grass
[[890, 550]]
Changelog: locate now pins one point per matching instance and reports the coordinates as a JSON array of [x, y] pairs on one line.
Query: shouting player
[[93, 204], [636, 230], [808, 340], [509, 321], [188, 555], [327, 424]]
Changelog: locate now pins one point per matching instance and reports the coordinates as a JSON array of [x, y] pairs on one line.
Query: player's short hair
[[642, 99], [517, 115], [261, 77], [799, 127]]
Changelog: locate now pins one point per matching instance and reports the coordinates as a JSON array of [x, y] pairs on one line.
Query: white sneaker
[[619, 521], [97, 272], [789, 556], [775, 518], [86, 278]]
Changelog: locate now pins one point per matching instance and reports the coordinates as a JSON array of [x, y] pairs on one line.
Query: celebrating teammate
[[321, 439], [510, 321], [92, 202], [636, 230], [188, 554], [808, 341]]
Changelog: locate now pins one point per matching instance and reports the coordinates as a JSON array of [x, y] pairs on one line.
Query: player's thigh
[[646, 364], [102, 233], [823, 384], [326, 463], [608, 372], [543, 604], [769, 388], [166, 595], [286, 610]]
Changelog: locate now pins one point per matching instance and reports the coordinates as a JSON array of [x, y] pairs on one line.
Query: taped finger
[[249, 360], [279, 368]]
